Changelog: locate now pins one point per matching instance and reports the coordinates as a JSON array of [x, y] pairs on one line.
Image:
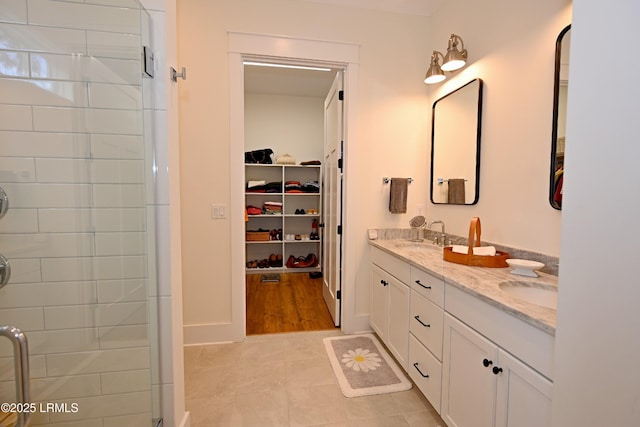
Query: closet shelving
[[290, 221]]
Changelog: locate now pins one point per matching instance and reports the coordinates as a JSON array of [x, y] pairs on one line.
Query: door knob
[[5, 271]]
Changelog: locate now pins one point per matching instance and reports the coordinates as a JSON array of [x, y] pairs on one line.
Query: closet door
[[332, 196]]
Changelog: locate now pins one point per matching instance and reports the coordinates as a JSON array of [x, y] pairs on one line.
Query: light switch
[[218, 211]]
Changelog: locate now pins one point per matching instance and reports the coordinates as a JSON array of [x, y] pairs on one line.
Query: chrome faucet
[[438, 240]]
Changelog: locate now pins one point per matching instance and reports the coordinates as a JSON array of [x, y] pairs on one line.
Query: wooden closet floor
[[293, 304]]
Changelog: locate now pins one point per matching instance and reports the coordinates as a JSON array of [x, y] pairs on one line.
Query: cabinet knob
[[426, 325], [415, 365], [496, 370], [487, 362], [384, 282], [426, 287]]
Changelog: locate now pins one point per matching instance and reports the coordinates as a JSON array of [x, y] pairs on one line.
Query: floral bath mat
[[363, 367]]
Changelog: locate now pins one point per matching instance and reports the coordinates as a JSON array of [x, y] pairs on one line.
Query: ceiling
[[287, 81], [413, 7]]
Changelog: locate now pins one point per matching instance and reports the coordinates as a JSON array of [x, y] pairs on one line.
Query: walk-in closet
[[284, 134]]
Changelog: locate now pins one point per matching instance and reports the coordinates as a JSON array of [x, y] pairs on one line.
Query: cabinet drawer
[[425, 371], [427, 323], [391, 264], [428, 285]]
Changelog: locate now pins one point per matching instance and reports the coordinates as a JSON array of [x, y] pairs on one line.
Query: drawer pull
[[415, 365], [426, 287], [421, 322]]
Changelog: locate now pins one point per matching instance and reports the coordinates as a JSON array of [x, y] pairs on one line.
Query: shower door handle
[[5, 271], [21, 365], [4, 202]]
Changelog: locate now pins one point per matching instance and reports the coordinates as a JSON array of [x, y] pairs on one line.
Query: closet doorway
[[292, 205]]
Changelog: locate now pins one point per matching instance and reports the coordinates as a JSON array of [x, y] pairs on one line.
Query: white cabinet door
[[379, 315], [468, 386], [398, 333], [523, 395]]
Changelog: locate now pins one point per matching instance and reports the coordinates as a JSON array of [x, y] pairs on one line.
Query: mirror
[[561, 83], [455, 146]]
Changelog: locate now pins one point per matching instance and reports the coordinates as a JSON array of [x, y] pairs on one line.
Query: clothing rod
[[388, 180]]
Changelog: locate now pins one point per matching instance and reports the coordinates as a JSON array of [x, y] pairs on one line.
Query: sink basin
[[531, 292]]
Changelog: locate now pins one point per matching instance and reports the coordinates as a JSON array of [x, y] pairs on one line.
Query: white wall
[[391, 126], [287, 124], [597, 380], [511, 48]]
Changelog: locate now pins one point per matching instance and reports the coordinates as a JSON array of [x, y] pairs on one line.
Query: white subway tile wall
[[84, 215]]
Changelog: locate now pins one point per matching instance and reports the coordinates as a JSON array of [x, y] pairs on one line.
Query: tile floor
[[286, 380]]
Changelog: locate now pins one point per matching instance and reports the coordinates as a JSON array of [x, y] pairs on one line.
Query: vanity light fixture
[[434, 73], [453, 60]]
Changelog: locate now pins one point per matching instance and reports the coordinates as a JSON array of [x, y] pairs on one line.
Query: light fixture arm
[[453, 45], [434, 58]]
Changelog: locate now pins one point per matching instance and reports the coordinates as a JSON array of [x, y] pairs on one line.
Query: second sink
[[531, 292]]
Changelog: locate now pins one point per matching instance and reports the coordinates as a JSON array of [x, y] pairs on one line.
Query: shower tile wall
[[82, 225]]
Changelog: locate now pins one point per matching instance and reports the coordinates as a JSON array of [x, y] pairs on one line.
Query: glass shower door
[[76, 166]]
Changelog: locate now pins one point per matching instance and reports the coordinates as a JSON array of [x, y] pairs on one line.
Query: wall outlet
[[420, 210], [218, 211]]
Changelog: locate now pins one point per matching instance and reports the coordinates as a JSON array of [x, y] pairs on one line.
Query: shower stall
[[77, 172]]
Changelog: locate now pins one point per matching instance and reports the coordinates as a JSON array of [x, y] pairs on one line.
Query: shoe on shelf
[[303, 262]]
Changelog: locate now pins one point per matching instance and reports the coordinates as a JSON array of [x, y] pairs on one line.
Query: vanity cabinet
[[477, 364], [389, 315], [485, 386], [425, 338]]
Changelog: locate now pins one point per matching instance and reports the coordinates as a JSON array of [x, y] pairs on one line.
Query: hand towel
[[398, 195], [456, 191], [478, 250]]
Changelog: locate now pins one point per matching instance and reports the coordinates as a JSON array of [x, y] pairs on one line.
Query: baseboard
[[356, 325], [211, 333], [186, 420]]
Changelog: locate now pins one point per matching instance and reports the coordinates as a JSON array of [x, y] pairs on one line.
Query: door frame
[[245, 46]]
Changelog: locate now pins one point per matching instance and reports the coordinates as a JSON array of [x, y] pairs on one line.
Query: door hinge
[[339, 229], [340, 164], [339, 295], [341, 95]]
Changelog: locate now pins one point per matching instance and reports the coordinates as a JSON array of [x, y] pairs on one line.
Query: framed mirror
[[455, 146], [560, 86]]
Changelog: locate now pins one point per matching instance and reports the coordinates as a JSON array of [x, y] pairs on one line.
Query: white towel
[[479, 250]]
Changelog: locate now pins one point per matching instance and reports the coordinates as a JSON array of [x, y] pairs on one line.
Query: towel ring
[[386, 180]]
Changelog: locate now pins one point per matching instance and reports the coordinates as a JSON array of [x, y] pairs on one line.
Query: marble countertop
[[478, 281]]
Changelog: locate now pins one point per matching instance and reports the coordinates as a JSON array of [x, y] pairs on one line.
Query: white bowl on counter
[[524, 267]]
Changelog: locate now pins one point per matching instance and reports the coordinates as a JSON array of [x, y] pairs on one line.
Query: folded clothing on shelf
[[272, 207], [292, 187], [253, 210], [258, 186], [311, 187]]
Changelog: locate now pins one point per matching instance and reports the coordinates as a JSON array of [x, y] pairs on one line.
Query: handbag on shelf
[[496, 261], [262, 156]]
